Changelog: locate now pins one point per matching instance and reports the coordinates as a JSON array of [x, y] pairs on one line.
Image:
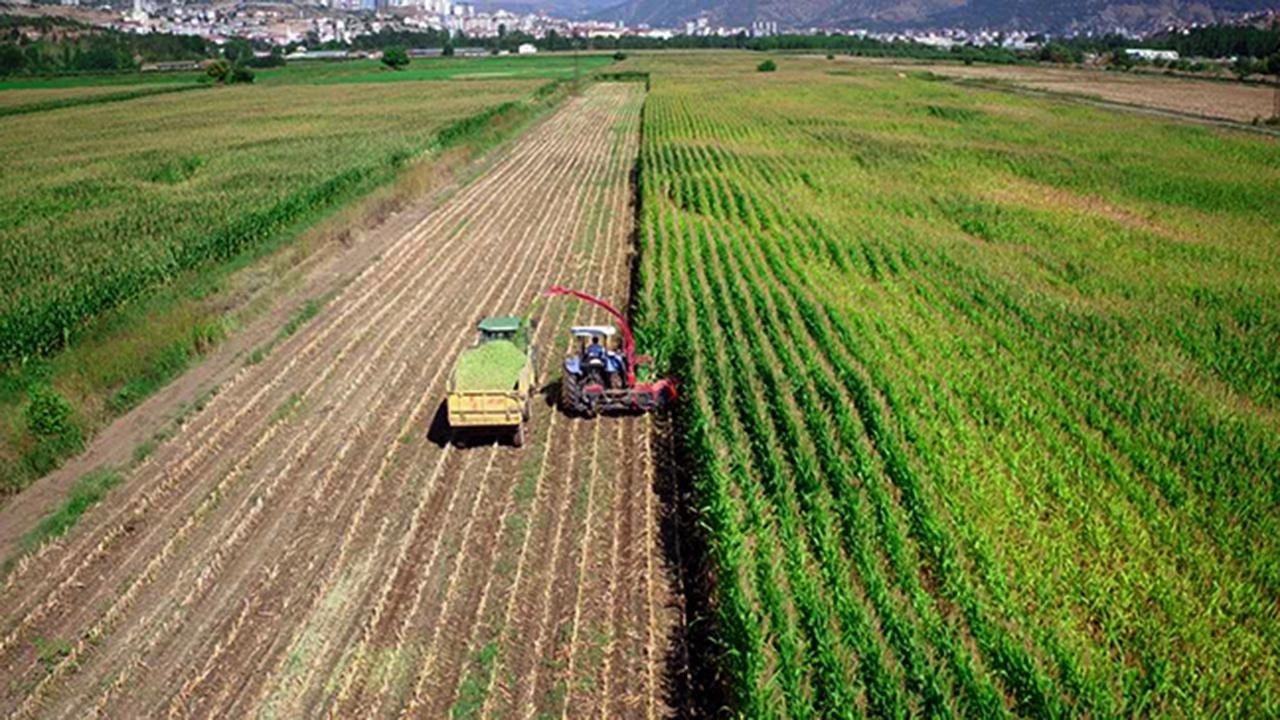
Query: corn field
[[111, 204], [981, 393]]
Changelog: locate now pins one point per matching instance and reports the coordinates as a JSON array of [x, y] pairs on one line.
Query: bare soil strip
[[311, 545], [1178, 96]]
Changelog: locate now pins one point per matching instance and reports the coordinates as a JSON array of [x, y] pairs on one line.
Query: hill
[[1052, 15]]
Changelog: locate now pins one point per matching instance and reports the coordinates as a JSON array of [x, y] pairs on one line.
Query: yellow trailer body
[[490, 388], [490, 408]]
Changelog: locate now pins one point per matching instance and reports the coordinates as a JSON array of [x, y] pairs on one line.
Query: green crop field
[[555, 66], [110, 202], [496, 67], [982, 392], [20, 97]]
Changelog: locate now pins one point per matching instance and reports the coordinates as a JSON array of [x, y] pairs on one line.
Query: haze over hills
[[572, 9], [1050, 15]]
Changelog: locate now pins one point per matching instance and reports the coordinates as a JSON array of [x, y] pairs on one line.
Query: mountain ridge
[[888, 15]]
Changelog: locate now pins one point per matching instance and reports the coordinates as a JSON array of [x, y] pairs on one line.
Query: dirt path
[[1181, 97], [304, 548]]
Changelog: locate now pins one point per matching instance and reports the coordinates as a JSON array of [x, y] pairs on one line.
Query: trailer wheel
[[517, 437]]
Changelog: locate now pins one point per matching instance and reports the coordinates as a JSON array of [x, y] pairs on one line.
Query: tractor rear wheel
[[570, 394], [517, 437]]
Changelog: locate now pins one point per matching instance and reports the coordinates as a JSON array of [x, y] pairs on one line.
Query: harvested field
[[306, 547], [1211, 99]]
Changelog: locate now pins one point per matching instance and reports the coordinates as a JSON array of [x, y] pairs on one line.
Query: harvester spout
[[628, 340]]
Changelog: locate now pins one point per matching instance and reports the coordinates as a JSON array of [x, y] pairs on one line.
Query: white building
[[526, 49], [764, 28], [1151, 55]]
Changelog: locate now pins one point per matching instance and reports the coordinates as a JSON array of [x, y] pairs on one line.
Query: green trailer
[[491, 387]]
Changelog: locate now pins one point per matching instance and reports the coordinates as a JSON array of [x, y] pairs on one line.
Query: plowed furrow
[[547, 683], [589, 634], [351, 673], [500, 544], [524, 626], [508, 289], [625, 683]]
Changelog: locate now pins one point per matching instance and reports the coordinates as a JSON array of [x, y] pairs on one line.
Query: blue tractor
[[600, 376]]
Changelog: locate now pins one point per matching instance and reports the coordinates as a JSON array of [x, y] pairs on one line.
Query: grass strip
[[85, 493]]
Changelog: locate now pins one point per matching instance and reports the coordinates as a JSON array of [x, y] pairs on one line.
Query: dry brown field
[[1207, 98]]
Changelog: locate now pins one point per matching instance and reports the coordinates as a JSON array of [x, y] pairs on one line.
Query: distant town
[[340, 22]]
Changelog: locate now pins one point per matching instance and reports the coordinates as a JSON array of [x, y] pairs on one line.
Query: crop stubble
[[302, 549]]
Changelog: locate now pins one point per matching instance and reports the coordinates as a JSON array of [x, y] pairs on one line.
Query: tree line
[[66, 46]]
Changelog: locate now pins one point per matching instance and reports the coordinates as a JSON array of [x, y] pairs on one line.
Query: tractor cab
[[597, 360], [505, 327]]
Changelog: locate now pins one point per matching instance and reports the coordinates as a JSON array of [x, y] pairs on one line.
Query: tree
[[1243, 67], [218, 69], [1121, 59], [11, 59], [1059, 53], [241, 74], [555, 41], [395, 58], [448, 50], [237, 51], [767, 66], [102, 55]]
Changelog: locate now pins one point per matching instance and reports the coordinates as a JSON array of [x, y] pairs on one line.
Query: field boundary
[[692, 683], [626, 76]]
